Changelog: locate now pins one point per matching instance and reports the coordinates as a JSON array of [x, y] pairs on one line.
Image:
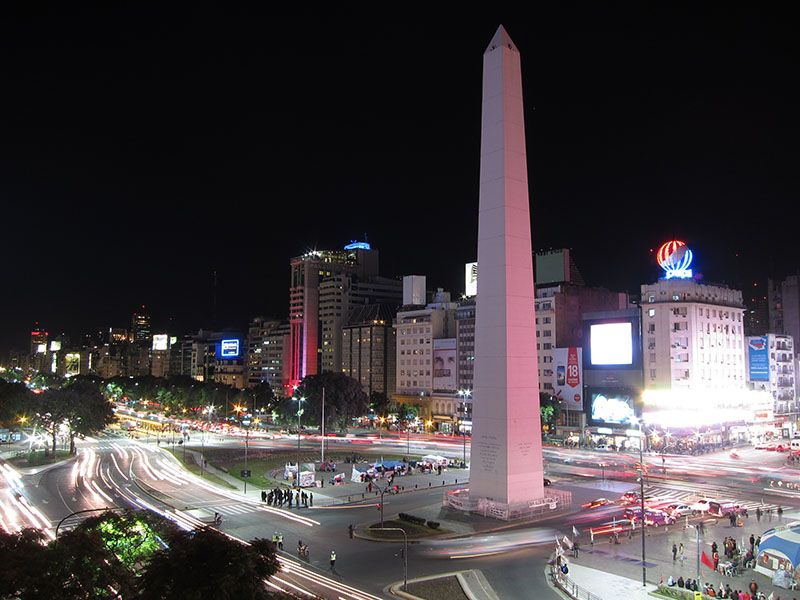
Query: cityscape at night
[[313, 306]]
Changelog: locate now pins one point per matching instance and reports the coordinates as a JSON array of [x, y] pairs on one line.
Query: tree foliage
[[134, 555], [344, 399]]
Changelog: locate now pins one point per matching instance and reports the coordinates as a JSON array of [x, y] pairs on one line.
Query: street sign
[[245, 473]]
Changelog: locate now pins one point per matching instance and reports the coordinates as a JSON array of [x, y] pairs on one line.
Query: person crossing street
[[333, 560]]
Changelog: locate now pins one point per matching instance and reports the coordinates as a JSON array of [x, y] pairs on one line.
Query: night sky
[[141, 150]]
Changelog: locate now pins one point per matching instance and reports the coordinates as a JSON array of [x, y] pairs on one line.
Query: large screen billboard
[[568, 386], [161, 341], [611, 343], [613, 407], [471, 279], [758, 358], [445, 365]]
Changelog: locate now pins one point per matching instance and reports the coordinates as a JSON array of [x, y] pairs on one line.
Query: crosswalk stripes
[[688, 497]]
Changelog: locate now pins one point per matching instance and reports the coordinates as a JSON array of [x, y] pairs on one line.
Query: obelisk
[[506, 459]]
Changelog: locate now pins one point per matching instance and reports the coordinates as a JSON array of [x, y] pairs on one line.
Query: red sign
[[573, 371]]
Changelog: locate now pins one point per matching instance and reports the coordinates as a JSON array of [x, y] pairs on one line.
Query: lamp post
[[464, 394], [405, 553], [641, 496], [299, 401], [207, 410]]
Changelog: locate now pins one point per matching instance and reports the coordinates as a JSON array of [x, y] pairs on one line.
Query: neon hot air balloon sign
[[675, 258]]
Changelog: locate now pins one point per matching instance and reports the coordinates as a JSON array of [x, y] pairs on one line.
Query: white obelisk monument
[[506, 459]]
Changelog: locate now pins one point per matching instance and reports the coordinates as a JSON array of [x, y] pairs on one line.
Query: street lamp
[[637, 421], [299, 401], [207, 410], [405, 553]]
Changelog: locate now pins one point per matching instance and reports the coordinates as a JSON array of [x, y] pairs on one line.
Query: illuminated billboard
[[611, 343], [41, 348], [72, 364], [55, 346], [161, 341], [444, 365], [229, 349], [675, 258], [568, 386], [471, 279], [758, 358], [612, 407]]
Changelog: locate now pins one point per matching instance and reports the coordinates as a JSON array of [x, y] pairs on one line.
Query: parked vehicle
[[679, 510], [723, 509], [652, 517], [701, 505]]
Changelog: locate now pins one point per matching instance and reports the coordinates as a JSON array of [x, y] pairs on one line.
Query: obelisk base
[[536, 509]]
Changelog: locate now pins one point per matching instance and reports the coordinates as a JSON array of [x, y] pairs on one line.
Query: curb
[[461, 576]]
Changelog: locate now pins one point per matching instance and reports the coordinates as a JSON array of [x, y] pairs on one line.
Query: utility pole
[[405, 553], [322, 442]]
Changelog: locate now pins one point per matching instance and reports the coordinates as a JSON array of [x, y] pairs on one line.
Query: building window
[[652, 373], [651, 312], [651, 298]]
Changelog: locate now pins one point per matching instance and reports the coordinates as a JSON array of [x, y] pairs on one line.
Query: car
[[679, 510], [601, 448], [760, 445], [630, 497], [597, 503], [651, 517], [701, 505], [546, 481]]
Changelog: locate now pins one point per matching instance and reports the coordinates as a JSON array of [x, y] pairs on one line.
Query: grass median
[[194, 468], [413, 531], [38, 458]]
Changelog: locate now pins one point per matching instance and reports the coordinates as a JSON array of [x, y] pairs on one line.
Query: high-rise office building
[[140, 327], [324, 285], [369, 348], [267, 344]]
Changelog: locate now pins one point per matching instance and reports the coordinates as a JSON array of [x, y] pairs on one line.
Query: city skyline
[[142, 159]]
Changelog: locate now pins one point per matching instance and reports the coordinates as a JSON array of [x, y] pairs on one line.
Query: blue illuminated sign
[[758, 358], [354, 245], [229, 349]]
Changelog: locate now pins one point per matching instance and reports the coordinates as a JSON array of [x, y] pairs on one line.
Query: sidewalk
[[609, 561], [608, 586]]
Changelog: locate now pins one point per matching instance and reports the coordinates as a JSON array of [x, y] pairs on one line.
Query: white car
[[761, 445], [680, 510], [701, 505]]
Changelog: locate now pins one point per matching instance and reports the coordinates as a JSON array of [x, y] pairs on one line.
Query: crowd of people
[[280, 496], [722, 590]]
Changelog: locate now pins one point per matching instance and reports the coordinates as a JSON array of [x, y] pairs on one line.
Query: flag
[[591, 534], [575, 532], [706, 561], [568, 542], [559, 549]]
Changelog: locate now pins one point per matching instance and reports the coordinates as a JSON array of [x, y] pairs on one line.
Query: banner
[[758, 358], [444, 365], [568, 385]]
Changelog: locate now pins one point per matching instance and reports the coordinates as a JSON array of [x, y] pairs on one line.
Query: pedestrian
[[575, 548], [333, 560], [674, 552], [290, 499], [280, 541], [350, 530], [780, 512], [263, 495], [714, 547], [753, 587], [311, 499]]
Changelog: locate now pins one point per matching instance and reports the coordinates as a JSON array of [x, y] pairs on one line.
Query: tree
[[549, 407], [15, 401], [88, 412], [230, 570], [344, 398], [379, 403]]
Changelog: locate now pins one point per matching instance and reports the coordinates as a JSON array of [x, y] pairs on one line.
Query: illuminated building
[[771, 367], [140, 327], [267, 344], [38, 340], [693, 336], [324, 285], [425, 337], [369, 348], [160, 355], [465, 341], [219, 356], [784, 306]]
